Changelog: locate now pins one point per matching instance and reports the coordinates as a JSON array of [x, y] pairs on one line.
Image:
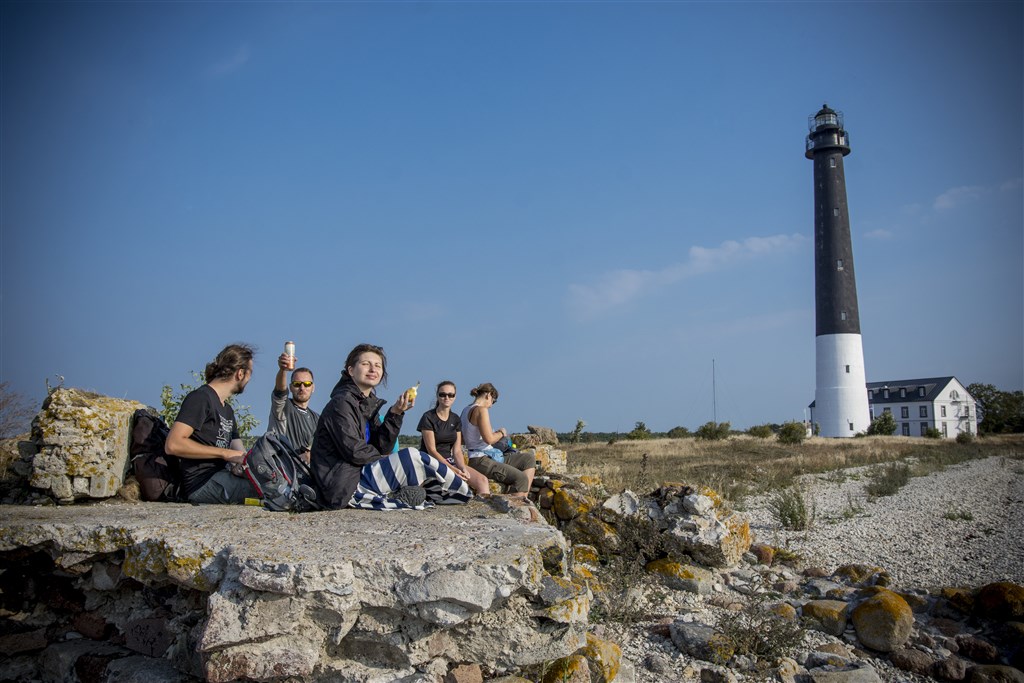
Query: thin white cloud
[[229, 65], [958, 196], [1012, 184], [621, 286]]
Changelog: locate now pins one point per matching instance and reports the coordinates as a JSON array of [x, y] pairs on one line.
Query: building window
[[924, 411], [842, 315], [839, 264], [885, 393], [887, 410], [871, 414], [943, 411], [847, 369], [904, 412], [835, 211], [903, 393], [954, 394], [906, 428], [831, 162], [924, 428], [945, 432], [920, 392], [851, 425]]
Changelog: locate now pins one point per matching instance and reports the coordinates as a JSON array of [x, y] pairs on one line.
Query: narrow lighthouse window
[[847, 369], [835, 212], [842, 315], [839, 264], [832, 162]]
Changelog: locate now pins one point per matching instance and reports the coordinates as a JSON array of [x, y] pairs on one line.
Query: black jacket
[[349, 435]]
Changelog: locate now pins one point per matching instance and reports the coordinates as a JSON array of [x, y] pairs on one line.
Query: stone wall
[[81, 441]]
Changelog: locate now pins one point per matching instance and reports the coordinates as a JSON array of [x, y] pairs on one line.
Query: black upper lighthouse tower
[[840, 396]]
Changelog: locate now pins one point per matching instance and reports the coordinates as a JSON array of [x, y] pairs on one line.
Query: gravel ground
[[963, 526], [909, 534]]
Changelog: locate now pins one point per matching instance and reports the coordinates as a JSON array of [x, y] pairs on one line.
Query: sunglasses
[[302, 384], [442, 394]]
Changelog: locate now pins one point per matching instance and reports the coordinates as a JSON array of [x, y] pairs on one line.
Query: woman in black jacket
[[349, 458]]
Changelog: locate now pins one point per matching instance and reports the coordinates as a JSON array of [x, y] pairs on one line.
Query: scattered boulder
[[827, 615], [1002, 600], [994, 673], [883, 621], [912, 660], [683, 577]]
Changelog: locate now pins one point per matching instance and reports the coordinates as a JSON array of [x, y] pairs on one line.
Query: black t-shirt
[[445, 431], [213, 424]]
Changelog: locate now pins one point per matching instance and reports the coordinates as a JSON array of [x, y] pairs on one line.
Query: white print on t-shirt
[[224, 433]]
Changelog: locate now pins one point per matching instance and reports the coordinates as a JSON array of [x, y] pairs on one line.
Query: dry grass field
[[744, 465]]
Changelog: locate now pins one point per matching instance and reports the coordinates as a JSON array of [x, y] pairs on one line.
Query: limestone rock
[[603, 657], [83, 441], [977, 649], [684, 577], [252, 594], [546, 434], [572, 669], [883, 621]]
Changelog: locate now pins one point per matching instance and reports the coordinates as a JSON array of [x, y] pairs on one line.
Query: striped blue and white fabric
[[408, 467]]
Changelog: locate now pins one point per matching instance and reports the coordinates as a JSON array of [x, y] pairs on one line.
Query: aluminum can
[[289, 348]]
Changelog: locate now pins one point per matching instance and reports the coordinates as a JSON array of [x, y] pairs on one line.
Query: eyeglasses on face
[[443, 394], [302, 384]]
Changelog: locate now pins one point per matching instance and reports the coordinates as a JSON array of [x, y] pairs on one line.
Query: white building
[[919, 404]]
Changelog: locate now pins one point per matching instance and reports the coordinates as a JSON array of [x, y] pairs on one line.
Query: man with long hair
[[205, 433]]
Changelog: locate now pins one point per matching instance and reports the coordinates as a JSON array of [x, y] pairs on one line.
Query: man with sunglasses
[[292, 416]]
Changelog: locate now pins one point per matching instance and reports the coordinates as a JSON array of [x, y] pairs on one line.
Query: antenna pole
[[714, 393]]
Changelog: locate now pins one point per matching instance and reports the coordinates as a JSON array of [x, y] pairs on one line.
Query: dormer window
[[903, 393], [885, 393], [920, 392]]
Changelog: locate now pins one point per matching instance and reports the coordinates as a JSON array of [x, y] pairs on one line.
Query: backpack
[[158, 474], [280, 476]]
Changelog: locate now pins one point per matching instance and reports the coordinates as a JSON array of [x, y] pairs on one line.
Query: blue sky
[[586, 204]]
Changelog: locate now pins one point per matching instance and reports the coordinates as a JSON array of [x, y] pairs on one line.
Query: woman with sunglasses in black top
[[441, 436]]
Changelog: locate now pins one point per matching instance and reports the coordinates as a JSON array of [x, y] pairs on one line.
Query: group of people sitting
[[352, 447]]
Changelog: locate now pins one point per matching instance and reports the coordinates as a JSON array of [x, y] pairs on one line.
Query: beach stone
[[863, 575], [830, 616], [912, 660], [700, 641], [464, 673], [977, 649], [994, 673], [950, 669], [857, 673], [764, 553], [883, 621], [1001, 600]]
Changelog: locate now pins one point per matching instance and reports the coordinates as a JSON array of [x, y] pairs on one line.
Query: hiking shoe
[[413, 496]]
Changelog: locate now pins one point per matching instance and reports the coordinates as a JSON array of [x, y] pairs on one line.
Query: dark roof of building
[[933, 386]]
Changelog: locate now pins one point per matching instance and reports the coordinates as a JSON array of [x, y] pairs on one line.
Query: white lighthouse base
[[840, 393]]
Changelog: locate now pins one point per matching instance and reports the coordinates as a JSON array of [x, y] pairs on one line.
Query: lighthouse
[[840, 392]]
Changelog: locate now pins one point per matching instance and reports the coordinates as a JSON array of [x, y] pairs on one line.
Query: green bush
[[678, 433], [883, 425], [791, 510], [640, 432], [713, 431], [932, 433], [964, 437], [885, 480], [792, 432], [760, 431]]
